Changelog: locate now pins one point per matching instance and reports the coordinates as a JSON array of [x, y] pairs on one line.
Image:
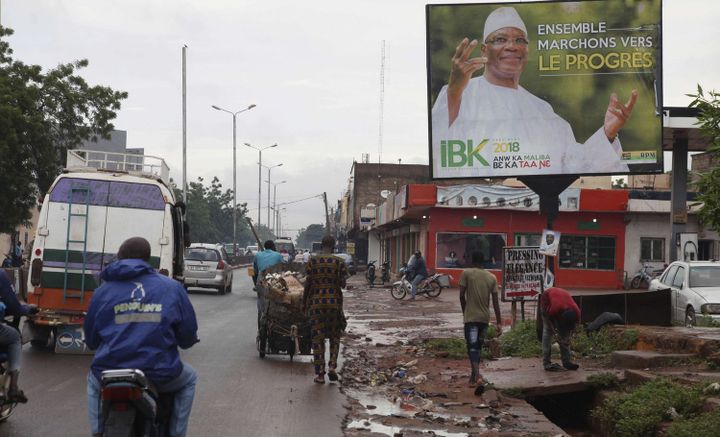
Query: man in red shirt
[[559, 314]]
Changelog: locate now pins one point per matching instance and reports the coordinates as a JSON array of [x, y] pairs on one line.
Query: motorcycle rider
[[137, 319], [10, 336], [417, 271]]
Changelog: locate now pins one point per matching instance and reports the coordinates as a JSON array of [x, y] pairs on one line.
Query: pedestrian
[[559, 316], [418, 270], [477, 287], [137, 319], [323, 302], [17, 255], [263, 261], [10, 337], [306, 256]]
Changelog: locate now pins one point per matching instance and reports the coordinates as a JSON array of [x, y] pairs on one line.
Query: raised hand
[[617, 114], [461, 71]]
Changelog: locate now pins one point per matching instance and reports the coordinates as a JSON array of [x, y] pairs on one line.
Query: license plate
[[198, 268]]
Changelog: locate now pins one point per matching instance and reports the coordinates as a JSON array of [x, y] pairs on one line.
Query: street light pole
[[268, 182], [259, 149], [274, 208], [234, 116]]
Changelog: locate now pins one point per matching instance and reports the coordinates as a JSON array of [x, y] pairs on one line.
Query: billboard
[[546, 88]]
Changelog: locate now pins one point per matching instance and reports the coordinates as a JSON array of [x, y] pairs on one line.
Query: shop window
[[652, 249], [594, 253], [527, 239], [454, 250]]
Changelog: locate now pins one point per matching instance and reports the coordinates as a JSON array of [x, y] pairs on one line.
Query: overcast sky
[[311, 67]]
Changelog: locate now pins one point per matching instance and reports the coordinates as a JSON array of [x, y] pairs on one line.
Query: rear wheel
[[636, 281], [6, 409], [433, 289], [221, 289], [262, 343], [398, 292]]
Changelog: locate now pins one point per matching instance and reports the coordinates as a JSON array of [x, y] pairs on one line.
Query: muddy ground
[[397, 387]]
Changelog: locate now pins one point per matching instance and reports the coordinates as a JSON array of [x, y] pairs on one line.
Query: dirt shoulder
[[399, 387]]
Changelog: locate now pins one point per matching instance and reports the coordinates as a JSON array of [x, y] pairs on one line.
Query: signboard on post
[[544, 88], [523, 273]]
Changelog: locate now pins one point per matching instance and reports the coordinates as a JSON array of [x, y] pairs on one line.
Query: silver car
[[207, 266], [695, 291]]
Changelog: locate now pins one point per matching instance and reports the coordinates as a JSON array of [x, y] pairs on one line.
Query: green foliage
[[705, 425], [603, 341], [707, 184], [312, 233], [455, 347], [209, 214], [521, 341], [638, 413], [42, 114], [603, 380]]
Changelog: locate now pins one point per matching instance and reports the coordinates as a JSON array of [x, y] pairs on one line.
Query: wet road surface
[[238, 393]]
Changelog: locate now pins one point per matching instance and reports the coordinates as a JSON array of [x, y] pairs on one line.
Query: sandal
[[319, 379], [17, 396], [332, 376], [554, 367]]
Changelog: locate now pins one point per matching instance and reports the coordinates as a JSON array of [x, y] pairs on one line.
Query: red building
[[449, 223]]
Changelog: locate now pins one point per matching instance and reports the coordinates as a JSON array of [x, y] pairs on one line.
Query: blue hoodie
[[137, 319]]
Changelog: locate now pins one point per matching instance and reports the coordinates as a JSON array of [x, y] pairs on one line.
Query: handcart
[[283, 327]]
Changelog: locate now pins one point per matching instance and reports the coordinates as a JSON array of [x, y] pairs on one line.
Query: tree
[[310, 234], [41, 116], [619, 183], [707, 183]]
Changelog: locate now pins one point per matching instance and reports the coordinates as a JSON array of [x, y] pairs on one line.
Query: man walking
[[264, 260], [477, 285], [559, 315], [418, 270]]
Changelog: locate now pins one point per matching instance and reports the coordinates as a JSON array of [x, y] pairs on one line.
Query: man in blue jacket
[[264, 260], [9, 336], [137, 319]]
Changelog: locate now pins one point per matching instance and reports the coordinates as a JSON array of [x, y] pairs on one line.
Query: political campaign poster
[[549, 242], [523, 273], [544, 88]]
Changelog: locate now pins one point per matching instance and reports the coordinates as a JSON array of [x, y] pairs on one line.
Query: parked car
[[207, 266], [286, 248], [695, 291], [349, 262]]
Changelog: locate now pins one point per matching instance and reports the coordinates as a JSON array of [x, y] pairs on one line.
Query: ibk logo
[[457, 153]]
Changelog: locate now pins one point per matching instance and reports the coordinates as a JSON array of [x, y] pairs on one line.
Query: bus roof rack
[[135, 164]]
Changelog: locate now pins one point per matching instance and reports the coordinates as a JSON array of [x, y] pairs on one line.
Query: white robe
[[504, 115]]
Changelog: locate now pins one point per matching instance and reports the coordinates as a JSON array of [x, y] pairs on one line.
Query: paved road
[[238, 394]]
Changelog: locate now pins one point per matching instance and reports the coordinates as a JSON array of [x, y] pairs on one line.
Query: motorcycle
[[370, 274], [385, 272], [6, 406], [644, 276], [431, 286], [132, 406]]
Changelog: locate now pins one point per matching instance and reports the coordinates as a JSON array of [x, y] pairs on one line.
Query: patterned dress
[[326, 276]]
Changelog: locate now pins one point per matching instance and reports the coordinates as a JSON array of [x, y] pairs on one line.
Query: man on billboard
[[495, 107]]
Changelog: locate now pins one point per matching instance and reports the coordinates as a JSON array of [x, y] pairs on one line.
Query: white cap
[[503, 17]]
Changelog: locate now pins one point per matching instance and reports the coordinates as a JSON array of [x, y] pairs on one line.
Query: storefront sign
[[561, 104], [481, 196], [523, 273]]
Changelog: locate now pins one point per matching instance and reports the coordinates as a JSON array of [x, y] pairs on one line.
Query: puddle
[[382, 405], [374, 427]]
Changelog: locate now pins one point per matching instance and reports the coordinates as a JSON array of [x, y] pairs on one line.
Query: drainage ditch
[[569, 411]]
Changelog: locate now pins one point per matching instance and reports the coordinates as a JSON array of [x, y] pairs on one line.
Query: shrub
[[638, 413], [603, 341], [706, 425], [455, 347], [521, 341]]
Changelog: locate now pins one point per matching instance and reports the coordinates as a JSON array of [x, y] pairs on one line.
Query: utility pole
[[327, 217], [184, 122]]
